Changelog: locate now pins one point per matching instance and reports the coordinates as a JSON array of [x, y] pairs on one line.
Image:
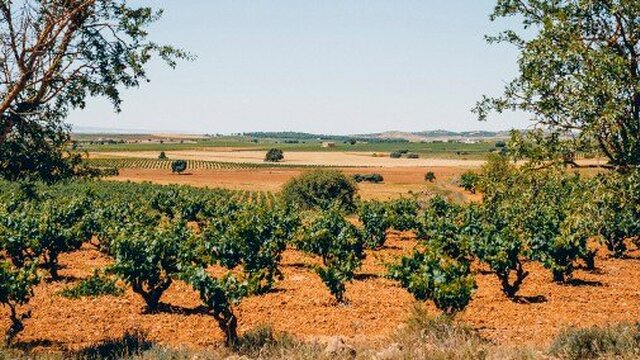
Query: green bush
[[373, 216], [338, 243], [274, 155], [372, 178], [395, 155], [148, 258], [430, 275], [16, 288], [443, 228], [179, 166], [255, 238], [469, 181], [45, 228], [218, 295], [162, 156], [321, 189], [403, 214], [621, 341], [496, 240], [430, 176], [615, 211], [96, 285]]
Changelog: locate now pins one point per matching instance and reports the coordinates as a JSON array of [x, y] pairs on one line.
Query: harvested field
[[302, 305]]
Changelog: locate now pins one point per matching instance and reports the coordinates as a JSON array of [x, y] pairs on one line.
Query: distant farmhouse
[[328, 144]]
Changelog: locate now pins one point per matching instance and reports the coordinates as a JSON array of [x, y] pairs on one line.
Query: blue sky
[[325, 66]]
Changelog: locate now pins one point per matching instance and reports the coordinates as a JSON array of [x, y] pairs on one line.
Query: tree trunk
[[228, 323]]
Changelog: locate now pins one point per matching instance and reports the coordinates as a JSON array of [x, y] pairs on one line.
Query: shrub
[[179, 166], [96, 285], [149, 257], [469, 181], [372, 178], [430, 176], [497, 241], [443, 228], [47, 228], [616, 206], [395, 155], [321, 189], [162, 156], [373, 216], [338, 243], [254, 238], [403, 214], [434, 276], [16, 288], [616, 341], [274, 155]]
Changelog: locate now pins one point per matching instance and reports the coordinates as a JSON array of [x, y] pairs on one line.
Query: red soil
[[302, 306]]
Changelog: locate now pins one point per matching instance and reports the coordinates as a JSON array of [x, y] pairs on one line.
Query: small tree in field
[[16, 288], [162, 156], [178, 166], [274, 155], [321, 189], [430, 176], [338, 242]]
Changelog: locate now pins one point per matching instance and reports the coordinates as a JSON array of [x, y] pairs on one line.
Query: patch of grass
[[438, 337], [620, 341], [96, 285], [129, 345]]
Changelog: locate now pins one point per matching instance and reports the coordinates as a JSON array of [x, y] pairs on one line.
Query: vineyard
[[132, 163], [228, 246]]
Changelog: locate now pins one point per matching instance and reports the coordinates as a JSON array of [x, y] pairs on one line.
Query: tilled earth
[[302, 306]]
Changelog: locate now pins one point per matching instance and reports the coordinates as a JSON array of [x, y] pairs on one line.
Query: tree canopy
[[53, 56], [579, 73]]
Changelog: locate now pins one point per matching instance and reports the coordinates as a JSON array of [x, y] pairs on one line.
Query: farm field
[[398, 182], [295, 158], [301, 305]]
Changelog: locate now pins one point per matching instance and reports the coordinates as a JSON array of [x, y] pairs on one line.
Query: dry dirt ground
[[301, 305], [398, 181]]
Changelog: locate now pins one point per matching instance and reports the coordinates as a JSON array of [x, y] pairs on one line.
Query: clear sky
[[322, 66]]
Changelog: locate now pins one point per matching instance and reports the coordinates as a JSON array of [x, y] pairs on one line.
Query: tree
[[579, 73], [162, 156], [430, 176], [54, 56], [321, 189], [274, 155], [178, 166]]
